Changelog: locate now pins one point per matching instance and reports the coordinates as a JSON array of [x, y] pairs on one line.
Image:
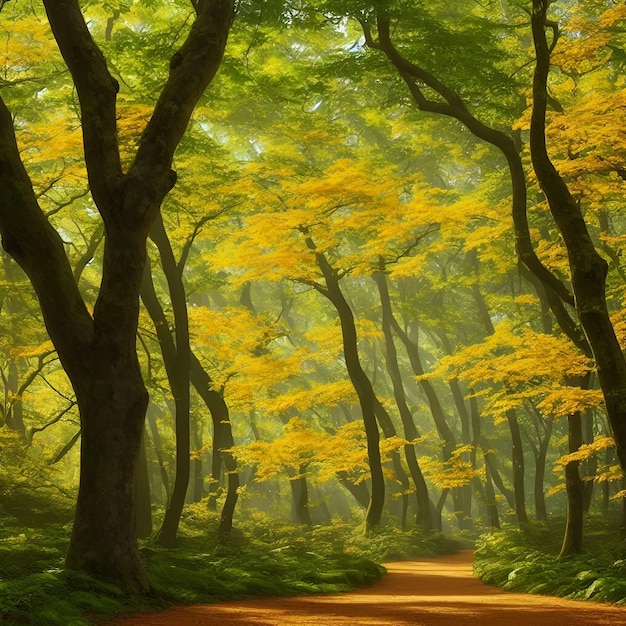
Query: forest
[[291, 289]]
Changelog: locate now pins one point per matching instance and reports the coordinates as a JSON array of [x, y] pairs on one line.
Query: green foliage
[[525, 560], [263, 558]]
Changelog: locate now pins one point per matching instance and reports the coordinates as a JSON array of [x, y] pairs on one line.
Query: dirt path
[[432, 592]]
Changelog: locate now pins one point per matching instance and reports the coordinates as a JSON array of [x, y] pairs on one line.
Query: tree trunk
[[591, 465], [490, 500], [410, 431], [103, 541], [301, 513], [176, 361], [588, 268], [477, 442], [361, 383], [98, 351], [517, 457], [156, 442], [222, 442], [359, 491], [142, 493], [198, 469], [541, 512], [573, 539], [436, 409]]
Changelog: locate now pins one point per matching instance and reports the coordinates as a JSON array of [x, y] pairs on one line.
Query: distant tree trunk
[[359, 491], [300, 499], [543, 430], [591, 465], [490, 461], [13, 405], [541, 513], [466, 438], [517, 457], [517, 449], [320, 511], [490, 500], [176, 360], [198, 470], [360, 381], [410, 430], [573, 539], [142, 494], [477, 442], [436, 409], [156, 442], [222, 442], [14, 417]]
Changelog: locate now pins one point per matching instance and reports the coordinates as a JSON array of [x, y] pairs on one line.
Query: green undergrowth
[[263, 558], [526, 559]]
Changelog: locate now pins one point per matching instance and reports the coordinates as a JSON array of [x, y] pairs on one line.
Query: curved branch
[[97, 91], [192, 68], [451, 105], [36, 246]]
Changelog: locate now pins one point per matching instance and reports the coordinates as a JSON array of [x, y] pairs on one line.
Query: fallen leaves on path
[[430, 592]]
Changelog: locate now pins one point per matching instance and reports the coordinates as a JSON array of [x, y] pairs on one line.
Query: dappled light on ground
[[430, 592]]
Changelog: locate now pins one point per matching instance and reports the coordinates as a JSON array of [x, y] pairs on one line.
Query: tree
[[588, 269], [97, 349]]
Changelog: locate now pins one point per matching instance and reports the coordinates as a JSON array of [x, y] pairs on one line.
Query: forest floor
[[429, 592]]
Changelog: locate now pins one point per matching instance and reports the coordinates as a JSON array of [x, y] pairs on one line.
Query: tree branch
[[36, 246], [192, 68], [451, 105], [97, 91]]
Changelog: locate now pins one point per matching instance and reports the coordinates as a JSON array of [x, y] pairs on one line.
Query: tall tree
[[588, 269], [97, 349]]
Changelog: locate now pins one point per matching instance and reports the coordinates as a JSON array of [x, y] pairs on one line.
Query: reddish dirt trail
[[431, 592]]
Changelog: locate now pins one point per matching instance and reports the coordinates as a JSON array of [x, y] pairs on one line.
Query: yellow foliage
[[32, 351], [586, 451], [300, 446], [27, 42], [515, 365], [457, 471]]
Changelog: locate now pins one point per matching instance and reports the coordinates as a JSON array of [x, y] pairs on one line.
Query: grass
[[264, 558], [526, 560]]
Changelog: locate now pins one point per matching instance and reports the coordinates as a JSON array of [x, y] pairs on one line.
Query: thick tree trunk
[[103, 541], [98, 351]]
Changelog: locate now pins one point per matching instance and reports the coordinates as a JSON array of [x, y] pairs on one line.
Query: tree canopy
[[368, 255]]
